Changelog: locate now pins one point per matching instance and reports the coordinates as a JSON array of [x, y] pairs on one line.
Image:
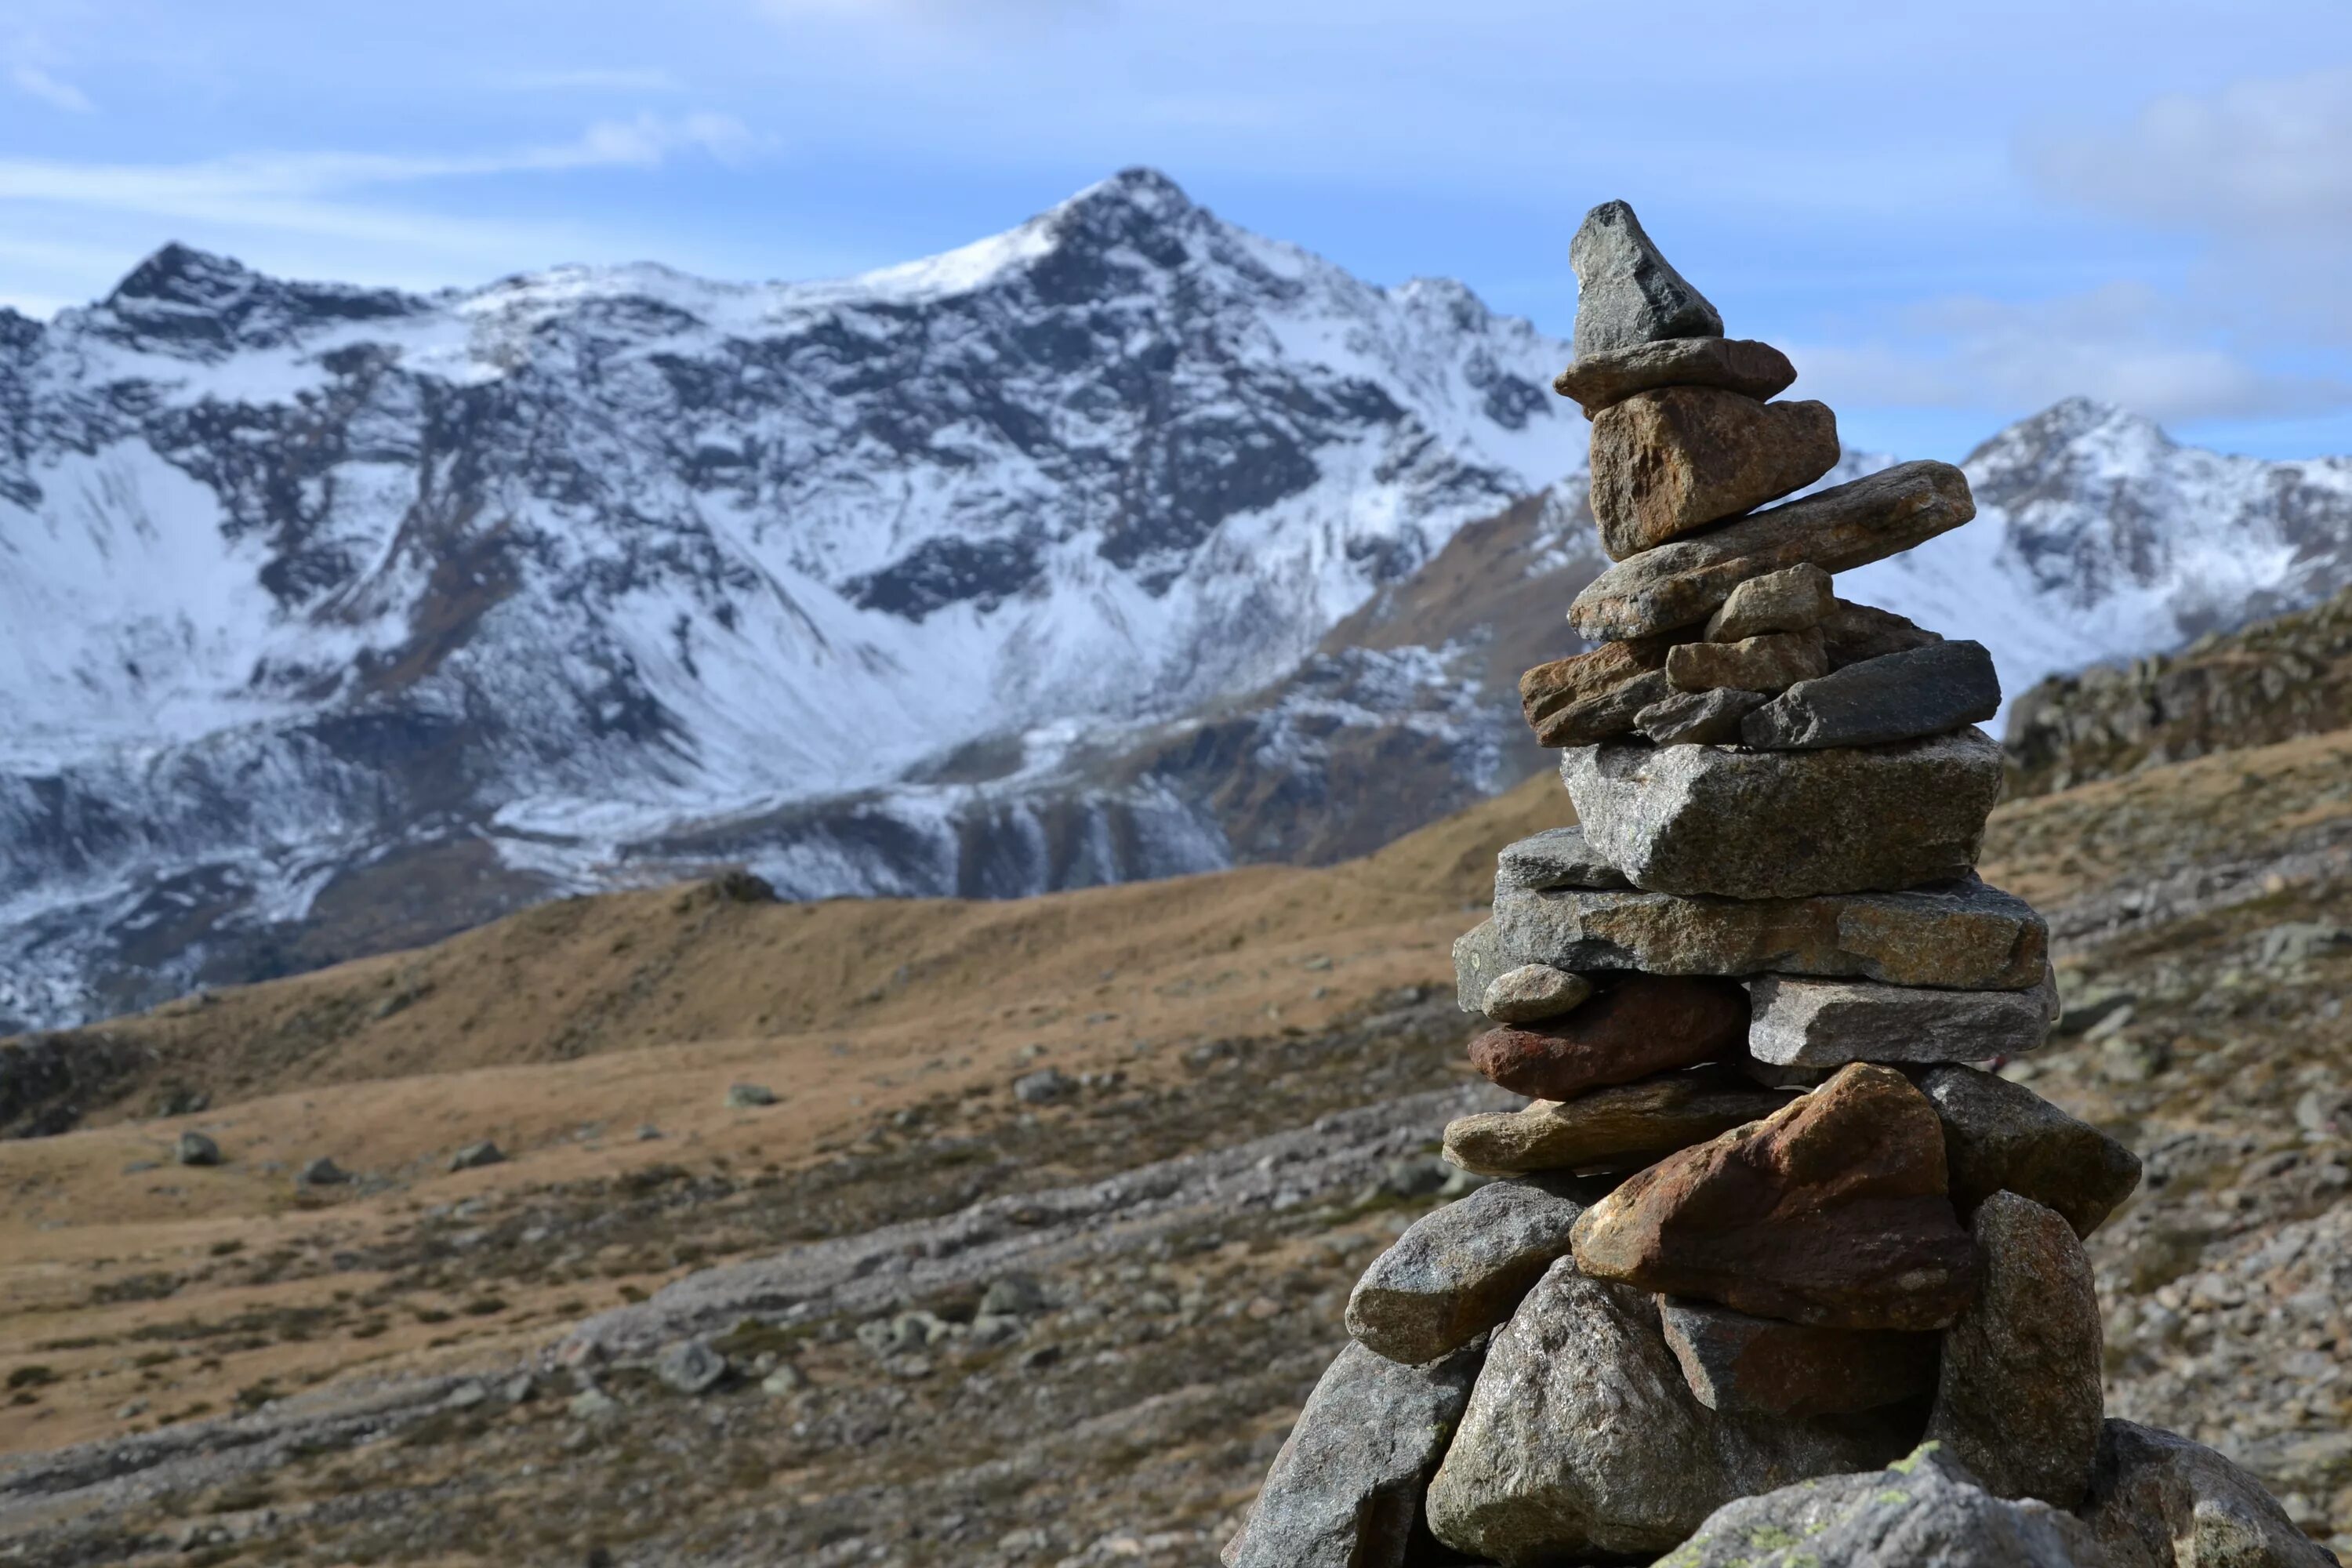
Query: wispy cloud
[[35, 82]]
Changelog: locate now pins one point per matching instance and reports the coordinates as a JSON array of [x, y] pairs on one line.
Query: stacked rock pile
[[1776, 1272]]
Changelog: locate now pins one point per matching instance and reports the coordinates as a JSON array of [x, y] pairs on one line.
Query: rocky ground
[[1070, 1323]]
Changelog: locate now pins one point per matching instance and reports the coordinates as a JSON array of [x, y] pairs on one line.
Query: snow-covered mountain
[[1124, 543]]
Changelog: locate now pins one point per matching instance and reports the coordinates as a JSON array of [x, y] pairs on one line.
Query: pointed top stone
[[1626, 292]]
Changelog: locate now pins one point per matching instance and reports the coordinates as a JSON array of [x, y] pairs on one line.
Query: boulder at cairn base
[[1344, 1491], [1925, 691], [1644, 1024], [1847, 525], [1618, 1129], [1555, 858], [1669, 461], [1924, 1512], [1962, 934], [2019, 1401], [1626, 293], [2161, 1500], [1580, 1438], [1800, 1022], [1736, 1363], [1460, 1269], [1784, 824], [2001, 1135], [1831, 1211], [1736, 364]]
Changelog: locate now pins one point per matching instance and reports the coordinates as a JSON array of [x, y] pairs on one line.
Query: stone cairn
[[1775, 1271]]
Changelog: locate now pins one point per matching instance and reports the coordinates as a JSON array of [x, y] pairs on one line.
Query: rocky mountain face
[[1122, 544]]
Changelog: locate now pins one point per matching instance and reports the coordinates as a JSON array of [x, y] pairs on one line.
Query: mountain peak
[[182, 275], [2073, 421]]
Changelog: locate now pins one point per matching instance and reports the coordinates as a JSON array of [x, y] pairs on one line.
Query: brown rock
[[1739, 1363], [1669, 461], [1738, 364], [1773, 661], [1699, 718], [1618, 1129], [2019, 1400], [1795, 600], [1831, 1211], [1533, 993], [1859, 632], [1682, 583], [1644, 1024], [1594, 693]]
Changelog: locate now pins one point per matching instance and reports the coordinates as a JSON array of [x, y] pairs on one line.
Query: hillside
[[1276, 1036]]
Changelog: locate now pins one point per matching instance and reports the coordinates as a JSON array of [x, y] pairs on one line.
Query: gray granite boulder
[[2019, 1401], [2162, 1501], [1581, 1439], [1346, 1490], [1796, 1021], [1460, 1269], [1923, 1512], [1895, 697], [1783, 825], [2000, 1135], [1626, 292], [1962, 934]]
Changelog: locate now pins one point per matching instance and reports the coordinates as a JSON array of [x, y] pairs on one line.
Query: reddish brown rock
[[1595, 694], [1738, 1364], [1771, 661], [1645, 1024], [1832, 1211], [1620, 1129], [1669, 461]]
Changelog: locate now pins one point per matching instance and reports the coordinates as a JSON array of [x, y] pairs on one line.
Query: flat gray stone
[[1924, 1512], [1346, 1490], [1699, 717], [1961, 935], [1794, 600], [2158, 1498], [1736, 364], [1924, 691], [2019, 1401], [1739, 1363], [1782, 824], [1626, 292], [1582, 1438], [1460, 1269], [1845, 526], [2000, 1135], [1555, 858], [1533, 993], [1797, 1021]]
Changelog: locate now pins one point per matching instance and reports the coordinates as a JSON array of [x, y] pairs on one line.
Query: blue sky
[[1951, 215]]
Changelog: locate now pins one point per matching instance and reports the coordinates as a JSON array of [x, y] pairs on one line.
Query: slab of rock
[[2159, 1499], [1857, 632], [1564, 683], [1923, 1512], [1796, 600], [1533, 993], [1925, 691], [1618, 1129], [1644, 1024], [1460, 1269], [1699, 718], [1626, 293], [1580, 1438], [1736, 364], [2019, 1401], [1831, 1211], [1804, 1022], [474, 1156], [1783, 825], [1738, 1364], [1344, 1491], [1555, 858], [2000, 1135], [1675, 459], [1961, 935], [1683, 583], [1769, 661]]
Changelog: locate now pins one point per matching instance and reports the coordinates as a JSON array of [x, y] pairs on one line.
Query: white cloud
[[35, 82]]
